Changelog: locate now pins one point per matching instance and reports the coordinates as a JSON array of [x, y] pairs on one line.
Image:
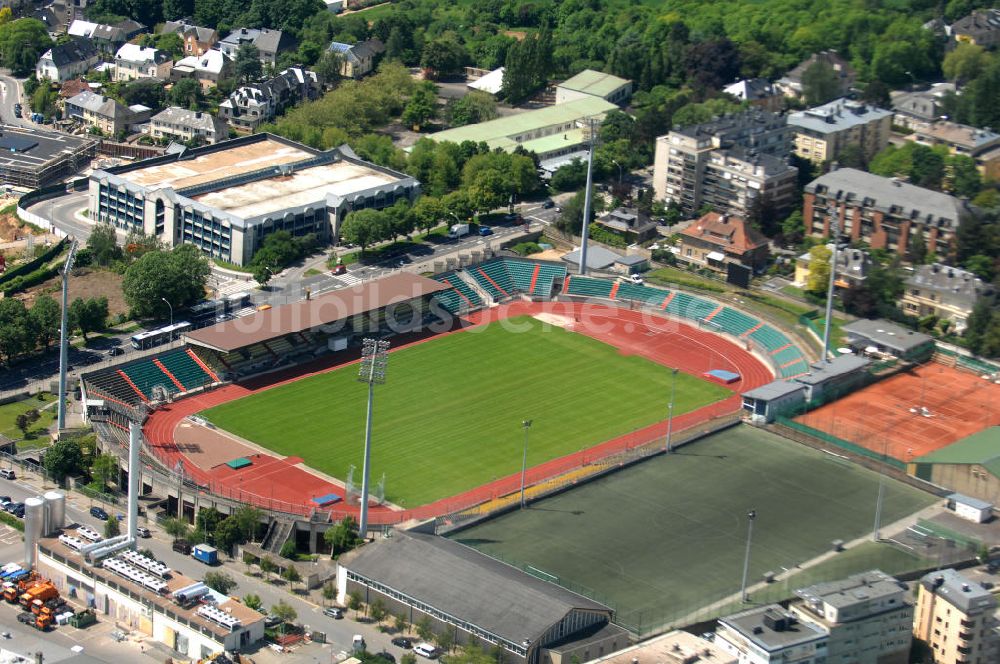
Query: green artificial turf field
[[449, 417], [663, 539]]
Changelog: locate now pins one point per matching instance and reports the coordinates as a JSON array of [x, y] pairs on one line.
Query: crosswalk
[[232, 287], [348, 279]]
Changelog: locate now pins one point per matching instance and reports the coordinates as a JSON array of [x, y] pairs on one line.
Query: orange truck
[[12, 590], [43, 592]]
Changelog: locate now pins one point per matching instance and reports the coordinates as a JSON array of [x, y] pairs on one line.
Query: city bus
[[161, 335]]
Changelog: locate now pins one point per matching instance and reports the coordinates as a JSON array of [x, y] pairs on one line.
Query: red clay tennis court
[[890, 415]]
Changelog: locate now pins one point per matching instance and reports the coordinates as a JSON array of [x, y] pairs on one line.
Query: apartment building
[[766, 634], [982, 145], [133, 61], [917, 106], [182, 124], [955, 618], [197, 40], [867, 616], [250, 106], [269, 43], [823, 132], [717, 239], [883, 212], [949, 293], [101, 112], [728, 163]]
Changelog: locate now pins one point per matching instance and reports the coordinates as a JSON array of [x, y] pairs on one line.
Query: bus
[[204, 313], [237, 301], [161, 335]]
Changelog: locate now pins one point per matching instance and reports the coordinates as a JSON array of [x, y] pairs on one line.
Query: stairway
[[277, 535], [488, 300]]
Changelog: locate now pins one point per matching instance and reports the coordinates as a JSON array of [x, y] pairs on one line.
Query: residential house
[[981, 27], [65, 61], [717, 239], [269, 43], [133, 62], [983, 145], [949, 293], [955, 617], [766, 634], [730, 163], [882, 212], [252, 105], [759, 92], [73, 87], [867, 617], [94, 110], [823, 132], [205, 68], [920, 105], [590, 83], [791, 83], [106, 38], [359, 59], [57, 15], [197, 40], [183, 125], [630, 224], [853, 266]]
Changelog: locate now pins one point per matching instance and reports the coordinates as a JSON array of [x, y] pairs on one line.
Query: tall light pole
[[171, 307], [64, 337], [586, 197], [876, 533], [670, 411], [526, 425], [835, 234], [374, 358], [751, 515]]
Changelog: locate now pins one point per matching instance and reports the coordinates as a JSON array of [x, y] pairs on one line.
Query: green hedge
[[12, 521], [34, 264], [28, 280]]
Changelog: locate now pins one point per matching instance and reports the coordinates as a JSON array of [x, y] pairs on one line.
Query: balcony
[[966, 636], [964, 650]]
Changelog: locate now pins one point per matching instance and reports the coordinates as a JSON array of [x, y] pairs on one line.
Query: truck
[[43, 592], [83, 619], [205, 553], [458, 230], [12, 591]]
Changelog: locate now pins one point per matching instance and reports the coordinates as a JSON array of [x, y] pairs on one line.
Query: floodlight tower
[[751, 515], [374, 358], [835, 234], [64, 337], [592, 124]]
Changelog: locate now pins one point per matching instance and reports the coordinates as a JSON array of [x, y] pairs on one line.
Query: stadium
[[505, 376]]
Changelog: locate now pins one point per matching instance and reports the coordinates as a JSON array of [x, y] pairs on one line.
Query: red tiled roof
[[728, 232]]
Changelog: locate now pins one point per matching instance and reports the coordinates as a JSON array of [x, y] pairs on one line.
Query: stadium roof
[[982, 447], [885, 333], [774, 389], [467, 585], [598, 258], [820, 372], [595, 83], [498, 132], [325, 309]]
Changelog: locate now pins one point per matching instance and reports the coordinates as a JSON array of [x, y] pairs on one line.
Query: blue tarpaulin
[[326, 500], [722, 376]]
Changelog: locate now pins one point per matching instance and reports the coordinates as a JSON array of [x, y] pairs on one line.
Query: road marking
[[348, 279]]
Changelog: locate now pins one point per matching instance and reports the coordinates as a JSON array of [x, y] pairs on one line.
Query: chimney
[[198, 115]]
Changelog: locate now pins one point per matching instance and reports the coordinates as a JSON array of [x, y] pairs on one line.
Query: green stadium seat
[[732, 321], [641, 294], [770, 338], [589, 287], [689, 306], [494, 278], [460, 297], [146, 375], [183, 367]]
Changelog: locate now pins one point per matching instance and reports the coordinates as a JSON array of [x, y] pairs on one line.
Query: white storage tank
[[34, 521], [55, 502]]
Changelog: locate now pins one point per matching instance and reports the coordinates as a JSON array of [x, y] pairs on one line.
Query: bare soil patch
[[86, 283]]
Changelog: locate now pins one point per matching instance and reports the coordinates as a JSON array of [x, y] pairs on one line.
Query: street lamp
[[526, 425], [171, 310], [64, 337], [670, 412], [751, 515], [615, 162], [371, 370]]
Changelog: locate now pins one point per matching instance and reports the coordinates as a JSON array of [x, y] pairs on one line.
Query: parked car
[[17, 509], [426, 650], [114, 352], [333, 612], [142, 531], [388, 656], [485, 230], [98, 513], [182, 546], [402, 642], [271, 621], [27, 617], [8, 473], [4, 502], [548, 205]]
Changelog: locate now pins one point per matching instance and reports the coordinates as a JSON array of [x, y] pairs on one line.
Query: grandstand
[[787, 359], [163, 375], [498, 280]]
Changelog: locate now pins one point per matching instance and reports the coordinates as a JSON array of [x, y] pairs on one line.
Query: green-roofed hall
[[970, 466], [590, 83]]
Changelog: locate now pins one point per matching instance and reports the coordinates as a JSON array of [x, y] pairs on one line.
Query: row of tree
[[25, 330]]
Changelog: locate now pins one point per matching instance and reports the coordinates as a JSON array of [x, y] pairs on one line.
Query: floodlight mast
[[374, 359], [64, 338]]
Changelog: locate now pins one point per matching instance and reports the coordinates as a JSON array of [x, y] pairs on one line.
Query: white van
[[426, 650], [631, 278]]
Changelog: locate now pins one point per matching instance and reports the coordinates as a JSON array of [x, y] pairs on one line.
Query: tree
[[88, 315], [329, 591], [248, 67], [981, 326], [45, 317], [917, 251], [377, 611], [284, 612], [262, 275], [819, 269], [177, 276], [16, 335], [328, 68], [354, 602], [819, 83], [443, 57], [399, 622], [288, 550], [422, 106], [363, 227], [927, 168], [252, 601], [176, 528], [111, 527], [425, 630], [22, 41], [186, 93], [228, 533], [570, 177], [963, 176], [148, 92], [64, 458], [104, 469], [26, 419], [292, 576], [103, 244], [408, 658], [712, 63], [267, 566], [220, 582], [446, 639], [249, 519], [475, 107], [965, 62]]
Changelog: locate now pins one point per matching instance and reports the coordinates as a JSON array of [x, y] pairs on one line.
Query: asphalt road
[[11, 92]]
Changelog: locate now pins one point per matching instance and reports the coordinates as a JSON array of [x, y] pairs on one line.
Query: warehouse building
[[970, 466], [226, 198], [477, 598], [31, 158]]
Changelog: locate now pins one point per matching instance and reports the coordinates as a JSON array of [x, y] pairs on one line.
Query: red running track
[[283, 485]]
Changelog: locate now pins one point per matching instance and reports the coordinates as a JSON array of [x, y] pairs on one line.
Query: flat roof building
[[549, 132], [32, 158], [767, 634], [226, 198], [955, 617], [885, 337], [779, 397], [590, 83], [677, 647], [418, 574], [823, 132]]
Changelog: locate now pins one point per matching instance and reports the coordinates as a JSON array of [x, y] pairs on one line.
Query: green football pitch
[[665, 538], [449, 417]]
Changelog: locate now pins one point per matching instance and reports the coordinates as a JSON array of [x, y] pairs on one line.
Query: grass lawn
[[664, 538], [10, 411], [449, 418]]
